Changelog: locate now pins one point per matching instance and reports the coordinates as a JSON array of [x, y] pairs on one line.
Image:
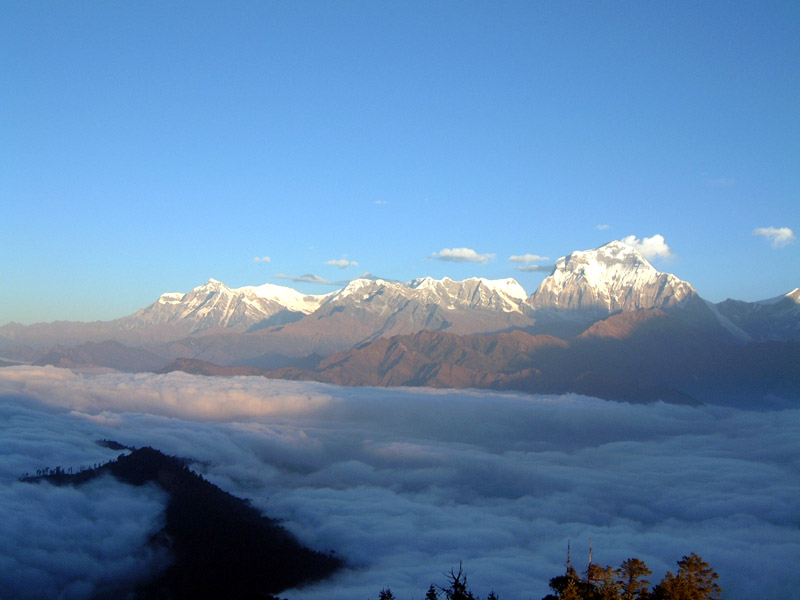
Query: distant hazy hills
[[605, 322]]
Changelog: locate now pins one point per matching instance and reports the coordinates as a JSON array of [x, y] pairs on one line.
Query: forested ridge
[[221, 546]]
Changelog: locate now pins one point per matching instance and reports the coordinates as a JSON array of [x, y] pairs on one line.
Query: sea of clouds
[[404, 484]]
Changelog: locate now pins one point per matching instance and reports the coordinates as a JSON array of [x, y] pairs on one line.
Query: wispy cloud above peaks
[[527, 258], [342, 263], [262, 259], [652, 247], [380, 202], [461, 255], [306, 278], [778, 236], [311, 278], [603, 227], [536, 268]]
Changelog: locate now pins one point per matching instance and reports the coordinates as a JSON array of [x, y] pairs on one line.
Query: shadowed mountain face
[[640, 356], [620, 360], [605, 322], [776, 319], [222, 547]]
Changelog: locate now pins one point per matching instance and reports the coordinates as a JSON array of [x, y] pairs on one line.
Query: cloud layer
[[405, 483], [778, 236]]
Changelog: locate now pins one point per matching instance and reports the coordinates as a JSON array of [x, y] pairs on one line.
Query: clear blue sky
[[147, 146]]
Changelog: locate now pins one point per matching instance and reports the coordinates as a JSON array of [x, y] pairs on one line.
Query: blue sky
[[145, 147]]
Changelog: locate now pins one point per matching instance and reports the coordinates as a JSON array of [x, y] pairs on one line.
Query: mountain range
[[604, 322]]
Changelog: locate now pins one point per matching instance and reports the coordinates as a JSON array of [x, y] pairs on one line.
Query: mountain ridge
[[608, 299]]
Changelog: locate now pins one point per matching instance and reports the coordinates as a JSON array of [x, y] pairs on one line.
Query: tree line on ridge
[[695, 579]]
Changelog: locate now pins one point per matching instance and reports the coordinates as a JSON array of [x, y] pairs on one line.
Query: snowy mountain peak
[[614, 277], [360, 286], [510, 287], [210, 285]]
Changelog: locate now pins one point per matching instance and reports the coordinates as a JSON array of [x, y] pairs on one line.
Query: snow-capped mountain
[[504, 295], [214, 304], [614, 277], [368, 309], [270, 324]]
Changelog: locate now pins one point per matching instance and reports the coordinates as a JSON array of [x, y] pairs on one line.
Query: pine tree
[[458, 589], [631, 578], [695, 580], [431, 594], [572, 592], [601, 584], [386, 594], [568, 585]]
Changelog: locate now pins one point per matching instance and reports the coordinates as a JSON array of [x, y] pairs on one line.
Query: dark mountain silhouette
[[222, 546]]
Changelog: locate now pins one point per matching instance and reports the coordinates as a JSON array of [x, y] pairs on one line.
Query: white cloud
[[404, 483], [342, 263], [262, 259], [652, 247], [84, 542], [380, 202], [462, 255], [603, 227], [527, 258], [778, 236]]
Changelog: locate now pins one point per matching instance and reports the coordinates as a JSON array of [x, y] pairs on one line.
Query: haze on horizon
[[149, 147]]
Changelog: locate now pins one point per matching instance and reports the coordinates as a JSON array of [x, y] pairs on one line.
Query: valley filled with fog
[[401, 483]]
